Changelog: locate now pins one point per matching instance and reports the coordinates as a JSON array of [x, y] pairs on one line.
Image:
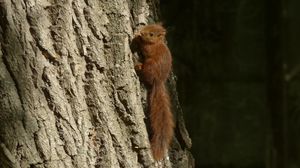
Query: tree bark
[[69, 95]]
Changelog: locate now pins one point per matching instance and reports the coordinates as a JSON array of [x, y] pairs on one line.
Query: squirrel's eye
[[151, 34]]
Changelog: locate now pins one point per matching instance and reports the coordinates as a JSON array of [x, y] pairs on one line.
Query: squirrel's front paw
[[138, 67]]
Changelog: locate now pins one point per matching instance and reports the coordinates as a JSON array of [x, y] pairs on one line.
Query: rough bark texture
[[69, 96]]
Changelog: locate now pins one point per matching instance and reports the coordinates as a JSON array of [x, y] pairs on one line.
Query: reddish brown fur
[[155, 71]]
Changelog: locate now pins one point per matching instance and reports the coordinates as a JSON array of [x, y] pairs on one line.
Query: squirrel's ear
[[160, 23]]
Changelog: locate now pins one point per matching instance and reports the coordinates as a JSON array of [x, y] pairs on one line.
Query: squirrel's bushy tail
[[161, 118]]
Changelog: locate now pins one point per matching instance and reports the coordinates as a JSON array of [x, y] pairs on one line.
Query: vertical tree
[[69, 96], [276, 88]]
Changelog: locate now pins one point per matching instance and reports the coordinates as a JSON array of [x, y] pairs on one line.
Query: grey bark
[[69, 95]]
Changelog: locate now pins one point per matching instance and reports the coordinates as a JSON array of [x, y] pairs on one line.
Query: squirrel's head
[[152, 33]]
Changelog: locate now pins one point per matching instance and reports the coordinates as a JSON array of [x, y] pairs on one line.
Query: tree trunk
[[276, 86], [69, 95]]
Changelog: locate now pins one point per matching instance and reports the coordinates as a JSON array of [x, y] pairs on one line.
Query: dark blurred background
[[238, 68]]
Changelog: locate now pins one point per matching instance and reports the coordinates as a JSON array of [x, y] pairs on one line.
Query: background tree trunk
[[238, 67], [69, 96], [276, 85]]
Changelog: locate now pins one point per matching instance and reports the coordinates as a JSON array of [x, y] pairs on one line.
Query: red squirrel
[[154, 72]]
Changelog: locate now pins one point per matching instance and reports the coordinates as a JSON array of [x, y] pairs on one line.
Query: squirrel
[[154, 72]]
